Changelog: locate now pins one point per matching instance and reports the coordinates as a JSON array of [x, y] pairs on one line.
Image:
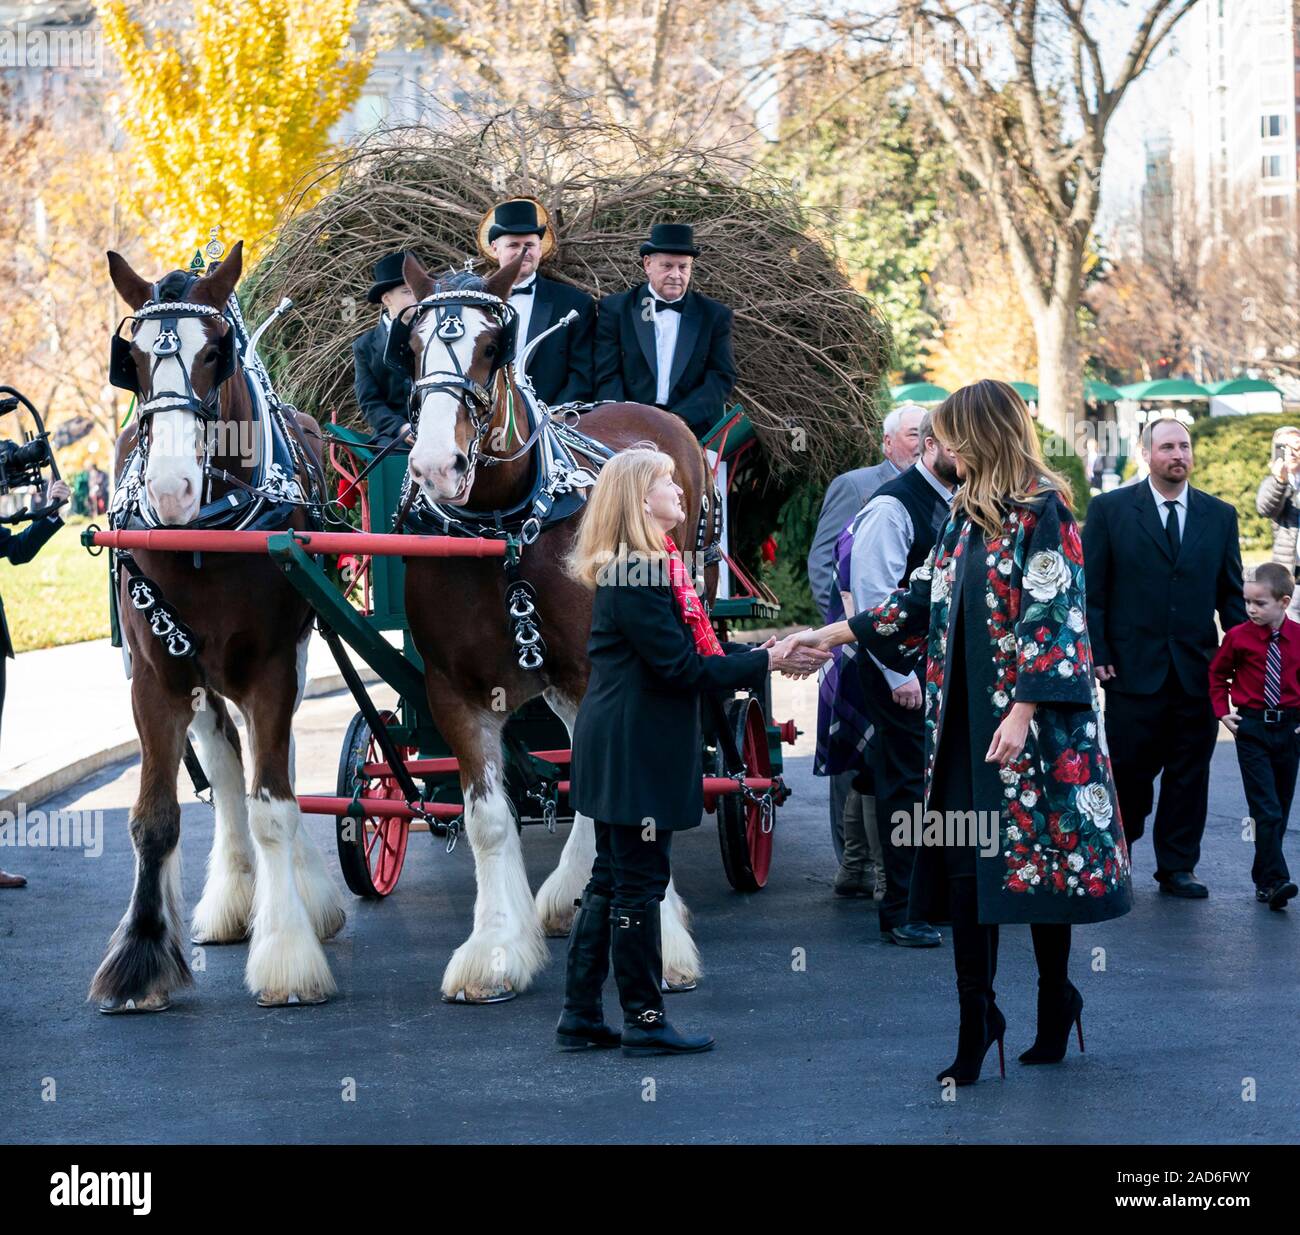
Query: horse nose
[[460, 465]]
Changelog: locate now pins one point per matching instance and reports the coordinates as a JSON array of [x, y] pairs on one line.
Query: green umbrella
[[919, 392], [1165, 388], [1101, 392], [1026, 390], [1244, 386]]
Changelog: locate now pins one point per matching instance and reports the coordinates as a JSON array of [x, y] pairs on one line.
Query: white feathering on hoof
[[318, 890], [226, 906], [285, 956], [680, 955], [505, 948], [566, 883]]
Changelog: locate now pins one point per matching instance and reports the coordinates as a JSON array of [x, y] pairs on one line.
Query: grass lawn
[[60, 596]]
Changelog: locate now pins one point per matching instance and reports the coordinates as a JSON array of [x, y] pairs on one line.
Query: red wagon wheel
[[372, 849], [746, 847]]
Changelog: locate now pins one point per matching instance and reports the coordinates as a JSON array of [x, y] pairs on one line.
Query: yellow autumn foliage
[[987, 333], [227, 109]]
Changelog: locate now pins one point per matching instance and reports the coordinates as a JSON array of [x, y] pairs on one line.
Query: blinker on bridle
[[448, 307], [167, 346]]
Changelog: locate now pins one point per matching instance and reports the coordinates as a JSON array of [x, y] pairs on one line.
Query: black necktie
[[669, 306], [1171, 527], [525, 291]]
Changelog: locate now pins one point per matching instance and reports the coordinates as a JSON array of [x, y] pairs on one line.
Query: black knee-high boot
[[975, 958], [638, 968], [582, 1023], [1060, 1005]]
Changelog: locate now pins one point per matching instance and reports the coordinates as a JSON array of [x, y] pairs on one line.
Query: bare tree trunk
[[1060, 370]]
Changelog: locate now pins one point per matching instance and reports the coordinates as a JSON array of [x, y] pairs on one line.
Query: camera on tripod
[[22, 463]]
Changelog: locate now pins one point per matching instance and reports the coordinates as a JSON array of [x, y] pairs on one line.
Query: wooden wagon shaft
[[379, 544]]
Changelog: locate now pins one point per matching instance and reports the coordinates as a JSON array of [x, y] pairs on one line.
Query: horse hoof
[[288, 999], [677, 986], [333, 926], [555, 931], [200, 941], [150, 1003], [498, 994]]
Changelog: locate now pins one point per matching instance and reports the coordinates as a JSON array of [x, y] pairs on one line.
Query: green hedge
[[1231, 455], [1070, 465]]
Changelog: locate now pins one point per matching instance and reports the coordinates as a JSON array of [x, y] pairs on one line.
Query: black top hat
[[671, 238], [516, 218], [387, 275]]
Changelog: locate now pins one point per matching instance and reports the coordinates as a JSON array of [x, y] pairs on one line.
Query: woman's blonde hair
[[988, 424], [616, 524]]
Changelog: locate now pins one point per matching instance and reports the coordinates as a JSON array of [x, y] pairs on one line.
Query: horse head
[[460, 334], [178, 354]]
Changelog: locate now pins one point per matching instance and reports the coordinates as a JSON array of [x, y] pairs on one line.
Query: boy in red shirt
[[1259, 661]]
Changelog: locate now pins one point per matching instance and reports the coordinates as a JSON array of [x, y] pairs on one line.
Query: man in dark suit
[[1160, 558], [383, 394], [561, 367], [20, 547], [663, 344]]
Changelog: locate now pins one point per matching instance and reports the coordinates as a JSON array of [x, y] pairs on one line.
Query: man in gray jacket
[[1278, 499], [845, 496]]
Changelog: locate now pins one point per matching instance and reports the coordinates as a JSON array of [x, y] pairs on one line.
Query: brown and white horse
[[264, 874], [457, 616]]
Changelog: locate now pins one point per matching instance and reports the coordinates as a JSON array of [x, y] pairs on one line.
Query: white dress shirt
[[879, 556], [1163, 511], [523, 305], [666, 327]]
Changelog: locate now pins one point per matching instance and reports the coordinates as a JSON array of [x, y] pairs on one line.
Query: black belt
[[1271, 716]]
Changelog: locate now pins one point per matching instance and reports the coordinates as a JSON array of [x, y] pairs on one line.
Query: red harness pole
[[381, 544]]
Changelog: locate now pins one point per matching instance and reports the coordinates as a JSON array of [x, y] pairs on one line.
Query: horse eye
[[490, 351]]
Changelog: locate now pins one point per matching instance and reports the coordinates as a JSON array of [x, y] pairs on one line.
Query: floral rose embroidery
[[1047, 575], [1093, 803]]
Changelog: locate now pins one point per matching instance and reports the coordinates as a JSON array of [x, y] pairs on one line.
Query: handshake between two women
[[795, 656]]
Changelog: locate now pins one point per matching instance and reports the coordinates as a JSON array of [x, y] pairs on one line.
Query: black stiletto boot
[[1059, 1004], [638, 967], [1059, 1009], [582, 1023], [982, 1024], [974, 953]]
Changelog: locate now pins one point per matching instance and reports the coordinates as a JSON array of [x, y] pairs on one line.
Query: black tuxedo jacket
[[1147, 610], [704, 369], [382, 393], [561, 369]]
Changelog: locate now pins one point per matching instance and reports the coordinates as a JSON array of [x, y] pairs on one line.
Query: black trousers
[[1170, 732], [1268, 756], [898, 771], [628, 869]]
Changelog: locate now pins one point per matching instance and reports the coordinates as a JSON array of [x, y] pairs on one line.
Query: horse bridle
[[473, 396]]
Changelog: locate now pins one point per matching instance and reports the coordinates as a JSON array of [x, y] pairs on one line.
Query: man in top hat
[[661, 343], [383, 394], [561, 367]]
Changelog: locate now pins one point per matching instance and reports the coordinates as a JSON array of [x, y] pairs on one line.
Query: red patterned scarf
[[691, 607]]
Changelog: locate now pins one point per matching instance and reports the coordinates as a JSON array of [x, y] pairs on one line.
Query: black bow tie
[[669, 306], [525, 291]]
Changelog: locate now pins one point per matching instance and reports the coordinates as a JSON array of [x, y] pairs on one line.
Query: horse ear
[[499, 284], [216, 288], [417, 278], [130, 286]]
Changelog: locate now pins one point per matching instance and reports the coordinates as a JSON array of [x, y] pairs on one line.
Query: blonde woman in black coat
[[636, 767]]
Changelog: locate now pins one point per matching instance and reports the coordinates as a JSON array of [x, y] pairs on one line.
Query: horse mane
[[172, 285], [460, 281]]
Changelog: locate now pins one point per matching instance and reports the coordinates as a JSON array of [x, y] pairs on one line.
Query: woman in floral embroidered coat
[[1012, 727]]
